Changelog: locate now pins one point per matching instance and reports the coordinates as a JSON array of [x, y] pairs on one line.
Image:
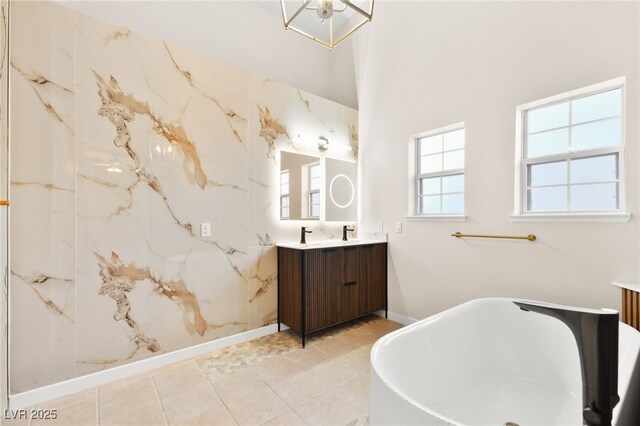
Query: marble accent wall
[[121, 146], [4, 195]]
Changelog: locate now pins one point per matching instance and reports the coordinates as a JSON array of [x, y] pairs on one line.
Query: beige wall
[[424, 65]]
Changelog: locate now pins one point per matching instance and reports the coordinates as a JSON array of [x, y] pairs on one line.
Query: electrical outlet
[[380, 227], [205, 230], [398, 227]]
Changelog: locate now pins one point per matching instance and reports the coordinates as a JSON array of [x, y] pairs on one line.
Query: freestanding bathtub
[[486, 362]]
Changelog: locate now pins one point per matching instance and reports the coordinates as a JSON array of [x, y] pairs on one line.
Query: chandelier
[[323, 22]]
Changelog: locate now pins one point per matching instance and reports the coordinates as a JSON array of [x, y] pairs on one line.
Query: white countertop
[[329, 244], [628, 286]]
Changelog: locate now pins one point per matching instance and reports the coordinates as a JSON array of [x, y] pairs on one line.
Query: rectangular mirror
[[300, 186], [341, 186]]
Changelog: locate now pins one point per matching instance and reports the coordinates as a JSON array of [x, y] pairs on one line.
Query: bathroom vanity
[[324, 284]]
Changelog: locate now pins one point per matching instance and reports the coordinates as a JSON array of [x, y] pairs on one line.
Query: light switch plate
[[380, 227], [398, 227], [205, 230]]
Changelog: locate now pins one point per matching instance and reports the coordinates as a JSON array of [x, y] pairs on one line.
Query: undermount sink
[[328, 244]]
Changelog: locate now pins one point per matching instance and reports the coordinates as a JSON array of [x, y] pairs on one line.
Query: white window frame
[[414, 177], [283, 195], [521, 163], [313, 191]]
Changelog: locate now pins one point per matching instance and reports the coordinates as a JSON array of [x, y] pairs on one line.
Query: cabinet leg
[[386, 315], [303, 340], [278, 326]]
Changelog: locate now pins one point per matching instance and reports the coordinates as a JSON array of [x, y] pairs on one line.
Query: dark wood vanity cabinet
[[321, 287]]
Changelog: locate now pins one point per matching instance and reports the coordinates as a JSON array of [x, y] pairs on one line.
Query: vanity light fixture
[[323, 145], [343, 19]]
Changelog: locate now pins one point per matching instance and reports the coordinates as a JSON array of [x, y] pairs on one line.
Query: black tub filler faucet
[[596, 333]]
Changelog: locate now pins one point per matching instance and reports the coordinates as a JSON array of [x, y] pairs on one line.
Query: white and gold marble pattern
[[43, 195], [122, 146], [161, 152], [4, 195]]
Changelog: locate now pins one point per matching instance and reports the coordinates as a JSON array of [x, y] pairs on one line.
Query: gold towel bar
[[4, 202], [529, 237]]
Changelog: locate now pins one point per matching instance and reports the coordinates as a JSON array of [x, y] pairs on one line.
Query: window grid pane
[[314, 204], [284, 183], [440, 177], [576, 183], [284, 207]]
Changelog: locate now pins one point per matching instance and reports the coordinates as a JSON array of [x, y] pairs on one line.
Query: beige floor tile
[[186, 377], [79, 414], [219, 416], [387, 324], [327, 409], [358, 360], [117, 399], [307, 357], [356, 392], [299, 389], [257, 407], [17, 421], [236, 385], [360, 421], [358, 336], [147, 415], [171, 375], [276, 370], [334, 346], [74, 398], [380, 328], [331, 374], [182, 404], [290, 418]]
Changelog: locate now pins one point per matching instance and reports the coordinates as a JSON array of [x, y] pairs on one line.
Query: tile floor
[[270, 380]]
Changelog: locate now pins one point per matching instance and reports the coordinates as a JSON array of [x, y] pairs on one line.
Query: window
[[284, 194], [439, 185], [571, 152], [314, 190]]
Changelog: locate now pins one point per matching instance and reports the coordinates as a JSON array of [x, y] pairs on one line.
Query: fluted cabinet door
[[373, 278], [349, 290], [324, 275]]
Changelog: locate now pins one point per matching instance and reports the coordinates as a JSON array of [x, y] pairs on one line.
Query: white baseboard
[[397, 317], [57, 390]]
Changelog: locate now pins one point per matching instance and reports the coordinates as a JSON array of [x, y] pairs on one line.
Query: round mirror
[[341, 191]]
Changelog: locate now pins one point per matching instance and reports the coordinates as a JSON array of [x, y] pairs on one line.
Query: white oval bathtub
[[486, 362]]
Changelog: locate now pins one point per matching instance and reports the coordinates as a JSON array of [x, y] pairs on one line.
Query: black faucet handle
[[303, 233], [345, 229]]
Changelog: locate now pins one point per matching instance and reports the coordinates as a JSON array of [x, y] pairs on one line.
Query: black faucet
[[596, 333], [304, 231], [345, 228]]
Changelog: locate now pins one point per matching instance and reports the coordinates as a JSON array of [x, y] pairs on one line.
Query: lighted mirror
[[300, 186], [341, 186]]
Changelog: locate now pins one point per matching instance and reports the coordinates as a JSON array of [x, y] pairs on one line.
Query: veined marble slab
[[122, 146]]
